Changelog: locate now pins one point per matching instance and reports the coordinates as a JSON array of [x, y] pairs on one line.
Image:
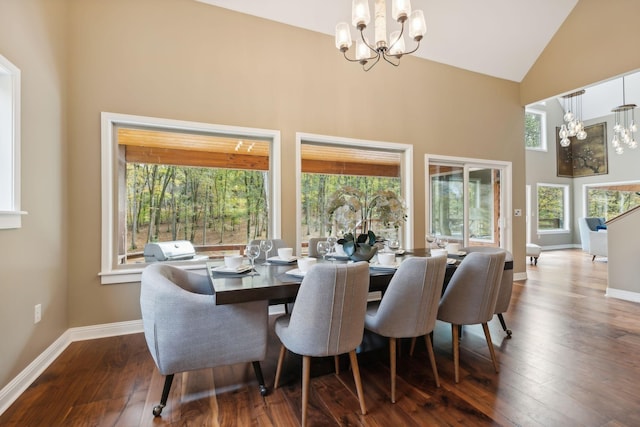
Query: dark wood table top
[[274, 284]]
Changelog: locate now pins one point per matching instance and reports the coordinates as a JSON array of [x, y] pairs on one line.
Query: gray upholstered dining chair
[[506, 284], [277, 243], [327, 320], [409, 308], [470, 298], [185, 330]]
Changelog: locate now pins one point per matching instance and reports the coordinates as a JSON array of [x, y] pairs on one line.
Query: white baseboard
[[624, 295], [20, 383]]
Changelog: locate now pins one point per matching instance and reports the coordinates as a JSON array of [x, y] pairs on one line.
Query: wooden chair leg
[[432, 359], [392, 365], [356, 378], [456, 351], [306, 369], [283, 350], [336, 362], [487, 335], [413, 346]]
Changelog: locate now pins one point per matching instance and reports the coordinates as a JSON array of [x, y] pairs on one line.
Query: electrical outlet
[[37, 313], [517, 212]]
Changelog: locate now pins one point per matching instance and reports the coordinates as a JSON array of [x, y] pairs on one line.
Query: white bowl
[[304, 264], [386, 258], [453, 248], [285, 253], [233, 261]]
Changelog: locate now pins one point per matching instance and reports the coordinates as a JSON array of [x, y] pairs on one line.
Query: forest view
[[220, 210]]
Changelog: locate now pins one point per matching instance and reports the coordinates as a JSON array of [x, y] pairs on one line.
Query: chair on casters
[[506, 284], [327, 320], [185, 330], [470, 299], [409, 308]]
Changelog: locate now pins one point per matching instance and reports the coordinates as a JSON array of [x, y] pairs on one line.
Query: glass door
[[466, 203]]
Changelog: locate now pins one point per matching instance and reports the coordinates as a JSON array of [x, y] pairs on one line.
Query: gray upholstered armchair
[[185, 330], [593, 236]]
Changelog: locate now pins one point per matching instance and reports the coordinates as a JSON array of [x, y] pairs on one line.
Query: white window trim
[[12, 218], [567, 211], [406, 167], [543, 131], [126, 274], [506, 223]]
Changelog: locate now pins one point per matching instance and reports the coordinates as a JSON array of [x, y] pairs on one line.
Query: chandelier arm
[[349, 59], [396, 40], [411, 51], [371, 48], [364, 65], [386, 58]]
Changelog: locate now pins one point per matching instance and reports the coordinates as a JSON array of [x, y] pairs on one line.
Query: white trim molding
[[20, 383], [623, 295]]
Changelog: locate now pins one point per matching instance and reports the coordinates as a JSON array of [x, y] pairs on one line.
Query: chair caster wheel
[[157, 410], [263, 390], [508, 331]]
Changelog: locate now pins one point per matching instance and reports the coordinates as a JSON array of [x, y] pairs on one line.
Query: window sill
[[133, 275], [554, 231], [11, 219]]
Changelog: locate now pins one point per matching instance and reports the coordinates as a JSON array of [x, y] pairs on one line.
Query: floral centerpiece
[[355, 212]]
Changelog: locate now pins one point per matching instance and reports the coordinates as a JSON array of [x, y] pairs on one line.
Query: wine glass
[[332, 241], [252, 253], [393, 245], [442, 243], [429, 238], [322, 248], [266, 246]]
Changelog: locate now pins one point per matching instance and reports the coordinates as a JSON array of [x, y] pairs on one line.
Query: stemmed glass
[[429, 239], [252, 253], [332, 241], [266, 246], [393, 245], [323, 248], [442, 243]]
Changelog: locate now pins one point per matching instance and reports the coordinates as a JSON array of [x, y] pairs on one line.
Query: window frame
[[406, 175], [543, 129], [110, 271], [10, 209], [567, 209]]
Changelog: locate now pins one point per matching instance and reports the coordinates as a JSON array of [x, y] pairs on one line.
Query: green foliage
[[532, 129]]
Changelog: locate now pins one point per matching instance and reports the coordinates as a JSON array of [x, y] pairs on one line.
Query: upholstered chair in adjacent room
[[327, 320], [470, 298], [506, 283], [313, 245], [185, 330], [409, 308]]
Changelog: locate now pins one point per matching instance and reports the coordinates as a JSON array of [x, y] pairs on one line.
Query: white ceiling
[[500, 38]]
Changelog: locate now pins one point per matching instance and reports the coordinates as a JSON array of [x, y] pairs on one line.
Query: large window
[[376, 176], [612, 199], [553, 208], [10, 214], [535, 125], [212, 186]]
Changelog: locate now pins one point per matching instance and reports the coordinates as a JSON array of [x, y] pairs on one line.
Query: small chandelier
[[624, 129], [573, 125], [365, 51]]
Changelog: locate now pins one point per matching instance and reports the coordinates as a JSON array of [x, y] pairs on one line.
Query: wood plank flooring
[[574, 360]]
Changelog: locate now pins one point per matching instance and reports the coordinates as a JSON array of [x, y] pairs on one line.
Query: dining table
[[275, 283]]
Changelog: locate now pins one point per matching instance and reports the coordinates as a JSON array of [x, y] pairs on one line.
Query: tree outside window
[[552, 207], [534, 130]]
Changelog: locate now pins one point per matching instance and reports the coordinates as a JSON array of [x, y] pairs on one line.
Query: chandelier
[[625, 125], [390, 51], [573, 125]]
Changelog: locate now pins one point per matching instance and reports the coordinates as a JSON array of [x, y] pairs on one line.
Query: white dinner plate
[[277, 260], [296, 272], [451, 261], [223, 269], [461, 253]]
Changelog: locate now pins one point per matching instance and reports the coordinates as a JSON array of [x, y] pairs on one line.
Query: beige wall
[[33, 259], [161, 58], [596, 42]]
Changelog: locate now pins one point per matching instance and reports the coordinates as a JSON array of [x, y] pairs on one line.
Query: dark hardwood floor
[[574, 360]]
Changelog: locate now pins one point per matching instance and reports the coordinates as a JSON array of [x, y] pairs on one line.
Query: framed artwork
[[584, 158]]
